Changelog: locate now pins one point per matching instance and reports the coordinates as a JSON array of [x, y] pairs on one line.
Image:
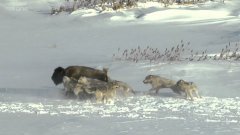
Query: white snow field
[[34, 43]]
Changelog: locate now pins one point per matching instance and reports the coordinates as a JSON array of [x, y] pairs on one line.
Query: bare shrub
[[72, 5], [117, 6], [181, 52]]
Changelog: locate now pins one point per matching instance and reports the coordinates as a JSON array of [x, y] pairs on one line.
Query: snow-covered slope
[[33, 44]]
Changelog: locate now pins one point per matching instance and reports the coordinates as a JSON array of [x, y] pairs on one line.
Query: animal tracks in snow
[[207, 109]]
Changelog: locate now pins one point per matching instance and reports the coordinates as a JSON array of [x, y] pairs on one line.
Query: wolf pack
[[86, 83]]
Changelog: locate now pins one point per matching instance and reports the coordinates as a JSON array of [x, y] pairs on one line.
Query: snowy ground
[[34, 43]]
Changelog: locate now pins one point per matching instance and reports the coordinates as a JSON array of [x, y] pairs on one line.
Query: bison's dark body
[[77, 72]]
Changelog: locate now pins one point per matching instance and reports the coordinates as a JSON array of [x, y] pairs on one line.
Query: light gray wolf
[[158, 83], [189, 88], [105, 94], [127, 89]]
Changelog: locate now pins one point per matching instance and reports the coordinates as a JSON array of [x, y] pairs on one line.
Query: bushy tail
[[90, 91], [133, 92]]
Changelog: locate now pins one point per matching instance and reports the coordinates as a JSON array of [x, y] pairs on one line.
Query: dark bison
[[77, 72]]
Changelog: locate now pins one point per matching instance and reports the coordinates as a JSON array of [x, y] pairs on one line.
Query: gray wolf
[[69, 84], [158, 83], [189, 88], [127, 89], [105, 93], [84, 85]]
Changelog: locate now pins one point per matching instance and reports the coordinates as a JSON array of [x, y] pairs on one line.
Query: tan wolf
[[69, 84], [158, 83], [127, 89], [105, 94], [189, 88]]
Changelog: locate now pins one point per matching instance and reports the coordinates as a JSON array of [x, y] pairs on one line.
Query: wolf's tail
[[132, 91], [90, 91]]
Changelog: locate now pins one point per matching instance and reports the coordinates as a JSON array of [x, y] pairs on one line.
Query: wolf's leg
[[177, 91], [126, 92], [105, 100], [197, 94], [191, 95], [150, 90], [186, 94], [157, 89], [99, 97]]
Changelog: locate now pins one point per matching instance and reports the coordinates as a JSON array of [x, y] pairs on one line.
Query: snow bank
[[33, 44]]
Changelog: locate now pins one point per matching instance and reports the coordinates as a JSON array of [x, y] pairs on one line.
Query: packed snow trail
[[208, 109]]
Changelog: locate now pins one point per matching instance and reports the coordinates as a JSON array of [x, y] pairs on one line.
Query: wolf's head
[[148, 79]]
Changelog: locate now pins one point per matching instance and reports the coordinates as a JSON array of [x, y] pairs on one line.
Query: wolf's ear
[[179, 81], [105, 70]]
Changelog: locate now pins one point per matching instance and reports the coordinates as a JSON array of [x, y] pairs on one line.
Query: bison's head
[[57, 76]]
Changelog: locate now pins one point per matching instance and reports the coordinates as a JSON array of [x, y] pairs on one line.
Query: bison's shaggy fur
[[79, 71]]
